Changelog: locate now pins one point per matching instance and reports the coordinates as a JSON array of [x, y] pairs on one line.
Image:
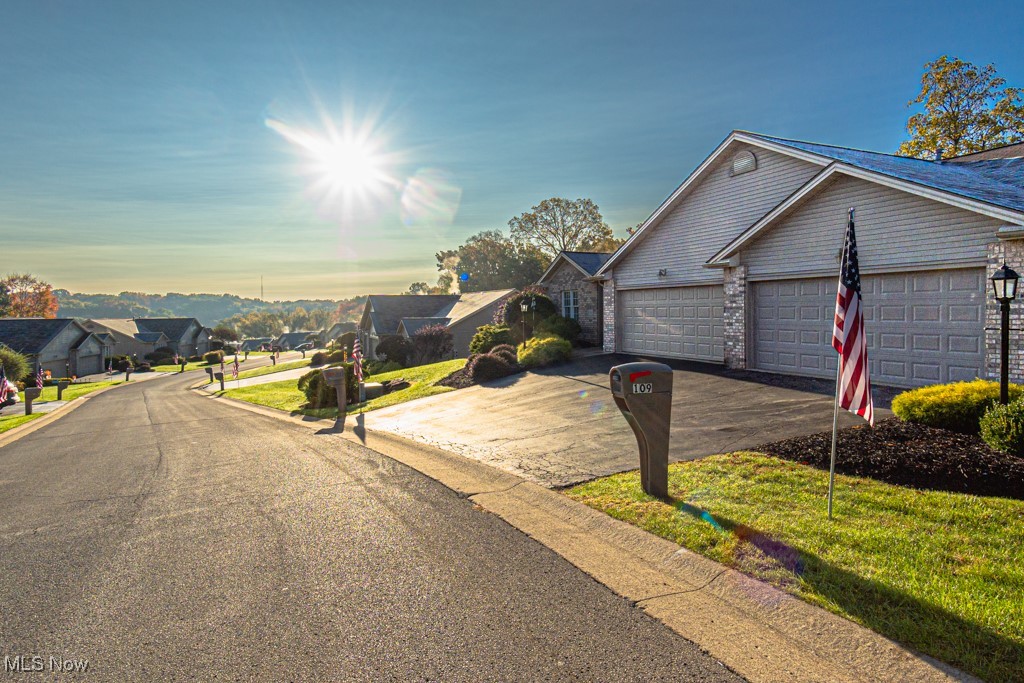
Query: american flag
[[854, 390], [5, 386], [234, 369], [39, 377], [357, 359]]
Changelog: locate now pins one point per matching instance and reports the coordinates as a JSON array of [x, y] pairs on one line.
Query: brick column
[[735, 317], [608, 322], [1010, 252]]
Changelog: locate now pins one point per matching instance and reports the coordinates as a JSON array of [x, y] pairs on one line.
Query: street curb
[[756, 630]]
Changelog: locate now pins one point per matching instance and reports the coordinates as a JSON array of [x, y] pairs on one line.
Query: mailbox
[[335, 377], [61, 386], [643, 392], [31, 394], [219, 376]]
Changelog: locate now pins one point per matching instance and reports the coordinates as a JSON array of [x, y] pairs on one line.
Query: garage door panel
[[687, 322], [911, 341]]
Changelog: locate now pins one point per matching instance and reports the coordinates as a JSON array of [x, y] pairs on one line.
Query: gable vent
[[743, 162]]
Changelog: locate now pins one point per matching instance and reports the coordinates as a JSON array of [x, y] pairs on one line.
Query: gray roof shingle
[[174, 328], [30, 335], [387, 310], [590, 261]]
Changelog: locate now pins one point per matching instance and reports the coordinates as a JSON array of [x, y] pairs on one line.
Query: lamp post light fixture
[[1004, 284], [523, 307]]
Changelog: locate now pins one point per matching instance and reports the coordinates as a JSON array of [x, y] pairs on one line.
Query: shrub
[[319, 394], [487, 366], [213, 357], [394, 348], [489, 336], [542, 351], [957, 407], [16, 365], [539, 303], [144, 367], [194, 359], [1002, 428], [431, 344], [377, 367], [319, 358], [165, 351], [506, 351], [124, 365], [556, 325], [347, 340], [336, 357]]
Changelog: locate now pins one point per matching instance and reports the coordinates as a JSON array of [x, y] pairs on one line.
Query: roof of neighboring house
[[31, 335], [293, 337], [993, 181], [587, 262], [1011, 151], [127, 327], [413, 325], [252, 344], [471, 303], [105, 337], [174, 328], [386, 311], [338, 329]]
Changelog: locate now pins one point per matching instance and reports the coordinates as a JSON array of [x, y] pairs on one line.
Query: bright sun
[[347, 164]]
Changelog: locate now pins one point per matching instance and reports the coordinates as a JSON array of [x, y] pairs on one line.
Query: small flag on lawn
[[234, 369], [357, 359], [39, 377]]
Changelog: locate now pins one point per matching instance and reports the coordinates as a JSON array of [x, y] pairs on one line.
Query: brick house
[[61, 346], [571, 284]]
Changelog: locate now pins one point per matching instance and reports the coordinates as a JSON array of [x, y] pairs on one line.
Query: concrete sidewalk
[[262, 379]]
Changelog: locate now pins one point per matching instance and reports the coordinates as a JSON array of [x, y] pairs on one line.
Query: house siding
[[895, 230], [718, 209], [567, 277], [463, 331]]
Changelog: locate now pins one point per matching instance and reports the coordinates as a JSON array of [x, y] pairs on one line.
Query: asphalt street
[[161, 535]]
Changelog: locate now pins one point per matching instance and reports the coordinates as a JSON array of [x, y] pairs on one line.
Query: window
[[744, 162], [570, 305]]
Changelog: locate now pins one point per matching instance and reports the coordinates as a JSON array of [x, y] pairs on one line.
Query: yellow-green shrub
[[541, 351], [1002, 428], [957, 407]]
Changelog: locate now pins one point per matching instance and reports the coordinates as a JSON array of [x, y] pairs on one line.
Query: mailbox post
[[643, 392], [61, 386], [31, 394], [335, 377], [219, 376]]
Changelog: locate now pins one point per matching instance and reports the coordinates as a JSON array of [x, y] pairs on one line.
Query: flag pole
[[835, 429]]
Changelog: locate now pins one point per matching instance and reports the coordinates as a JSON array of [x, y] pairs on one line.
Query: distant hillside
[[209, 309]]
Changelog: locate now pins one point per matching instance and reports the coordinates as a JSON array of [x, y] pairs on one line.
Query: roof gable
[[385, 311], [32, 335], [174, 328], [586, 262]]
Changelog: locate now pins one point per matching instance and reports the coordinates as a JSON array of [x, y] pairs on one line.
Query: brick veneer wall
[[1010, 252], [567, 278], [735, 317], [609, 316]]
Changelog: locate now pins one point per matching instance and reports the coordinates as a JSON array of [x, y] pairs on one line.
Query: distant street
[[160, 535]]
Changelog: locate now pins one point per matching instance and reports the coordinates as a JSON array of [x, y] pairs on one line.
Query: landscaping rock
[[911, 455]]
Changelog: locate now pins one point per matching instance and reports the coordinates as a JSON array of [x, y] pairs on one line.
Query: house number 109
[[643, 388]]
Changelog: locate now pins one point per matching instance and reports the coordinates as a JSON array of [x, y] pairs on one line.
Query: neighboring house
[[740, 264], [405, 314], [185, 336], [338, 329], [289, 340], [255, 344], [570, 282], [60, 345], [126, 336]]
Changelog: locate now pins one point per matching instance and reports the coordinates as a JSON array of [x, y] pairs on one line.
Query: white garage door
[[922, 328], [677, 322], [89, 365]]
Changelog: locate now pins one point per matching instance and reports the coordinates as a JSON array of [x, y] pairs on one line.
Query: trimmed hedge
[[556, 325], [319, 358], [489, 336], [319, 394], [1002, 428], [485, 367], [957, 407], [213, 357], [394, 348], [543, 351], [506, 351], [376, 367]]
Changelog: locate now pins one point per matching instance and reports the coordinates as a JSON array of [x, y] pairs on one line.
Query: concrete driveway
[[559, 426]]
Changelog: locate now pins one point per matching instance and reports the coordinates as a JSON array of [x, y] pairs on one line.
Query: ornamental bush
[[489, 336], [431, 344], [958, 406], [394, 348], [346, 341], [319, 358], [376, 367], [213, 357], [488, 366], [506, 351], [556, 325], [16, 365], [319, 394], [543, 351], [1002, 428]]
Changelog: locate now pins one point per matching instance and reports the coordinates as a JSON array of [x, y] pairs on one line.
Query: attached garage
[[922, 327], [674, 322], [89, 365]]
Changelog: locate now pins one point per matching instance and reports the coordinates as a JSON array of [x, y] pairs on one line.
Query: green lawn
[[269, 369], [73, 391], [13, 420], [188, 366], [284, 395], [940, 572]]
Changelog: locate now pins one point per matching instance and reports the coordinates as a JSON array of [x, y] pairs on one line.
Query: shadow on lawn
[[915, 623]]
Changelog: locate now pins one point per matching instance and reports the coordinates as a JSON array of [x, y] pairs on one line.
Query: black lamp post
[[1004, 284], [523, 307]]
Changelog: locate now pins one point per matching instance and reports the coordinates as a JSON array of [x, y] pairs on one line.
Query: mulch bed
[[457, 380], [912, 455]]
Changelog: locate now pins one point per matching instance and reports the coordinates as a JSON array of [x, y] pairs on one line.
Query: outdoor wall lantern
[[1004, 284], [523, 308]]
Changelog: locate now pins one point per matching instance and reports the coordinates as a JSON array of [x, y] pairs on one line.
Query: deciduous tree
[[558, 224], [224, 333], [967, 109], [29, 297], [489, 260]]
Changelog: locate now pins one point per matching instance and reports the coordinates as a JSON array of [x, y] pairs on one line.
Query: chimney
[[938, 155]]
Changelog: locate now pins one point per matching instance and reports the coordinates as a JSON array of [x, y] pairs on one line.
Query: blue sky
[[136, 152]]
